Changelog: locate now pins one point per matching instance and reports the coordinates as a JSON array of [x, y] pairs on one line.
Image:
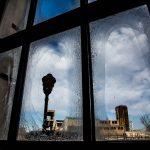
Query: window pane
[[60, 56], [47, 9], [90, 1], [9, 62], [15, 17], [121, 74]]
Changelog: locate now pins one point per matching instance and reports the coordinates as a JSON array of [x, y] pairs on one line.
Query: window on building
[[59, 55], [72, 70], [120, 50]]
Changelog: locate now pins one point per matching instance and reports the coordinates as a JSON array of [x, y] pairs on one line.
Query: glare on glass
[[121, 75], [52, 100]]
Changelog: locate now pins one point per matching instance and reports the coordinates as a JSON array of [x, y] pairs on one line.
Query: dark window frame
[[81, 16]]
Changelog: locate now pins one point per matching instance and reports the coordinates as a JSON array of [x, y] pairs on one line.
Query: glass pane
[[58, 55], [9, 62], [15, 17], [90, 1], [47, 9], [121, 74]]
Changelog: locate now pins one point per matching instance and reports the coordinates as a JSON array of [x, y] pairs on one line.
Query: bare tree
[[145, 120]]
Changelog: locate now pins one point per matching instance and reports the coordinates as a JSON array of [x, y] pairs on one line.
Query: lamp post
[[48, 84]]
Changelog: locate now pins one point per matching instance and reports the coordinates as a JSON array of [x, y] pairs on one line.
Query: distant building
[[50, 120], [122, 116], [21, 133], [109, 129], [114, 128], [72, 124], [137, 135], [59, 125], [109, 125]]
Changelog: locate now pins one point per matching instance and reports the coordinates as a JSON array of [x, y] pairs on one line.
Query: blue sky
[[47, 9]]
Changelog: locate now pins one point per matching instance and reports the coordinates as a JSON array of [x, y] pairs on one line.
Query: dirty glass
[[9, 62], [47, 9], [121, 75], [14, 17], [90, 1], [54, 64]]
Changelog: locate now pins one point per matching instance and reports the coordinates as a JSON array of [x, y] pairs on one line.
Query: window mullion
[[91, 83], [88, 103]]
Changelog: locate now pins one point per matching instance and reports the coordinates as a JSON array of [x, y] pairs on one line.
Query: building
[[59, 125], [109, 125], [122, 116], [82, 17], [114, 129], [106, 129], [50, 120], [72, 124], [137, 134]]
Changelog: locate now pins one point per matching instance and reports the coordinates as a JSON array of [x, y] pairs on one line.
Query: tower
[[122, 116]]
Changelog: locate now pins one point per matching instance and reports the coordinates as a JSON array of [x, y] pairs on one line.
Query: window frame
[[81, 16]]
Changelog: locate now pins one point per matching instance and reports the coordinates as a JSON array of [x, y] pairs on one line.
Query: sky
[[121, 73], [47, 9], [121, 66]]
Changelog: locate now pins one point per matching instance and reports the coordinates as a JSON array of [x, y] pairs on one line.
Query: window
[[14, 20], [103, 69], [59, 55], [9, 62], [120, 51], [90, 1]]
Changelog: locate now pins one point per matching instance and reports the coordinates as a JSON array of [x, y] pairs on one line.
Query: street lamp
[[48, 84]]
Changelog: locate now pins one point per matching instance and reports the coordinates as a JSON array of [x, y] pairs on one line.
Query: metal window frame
[[81, 16]]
